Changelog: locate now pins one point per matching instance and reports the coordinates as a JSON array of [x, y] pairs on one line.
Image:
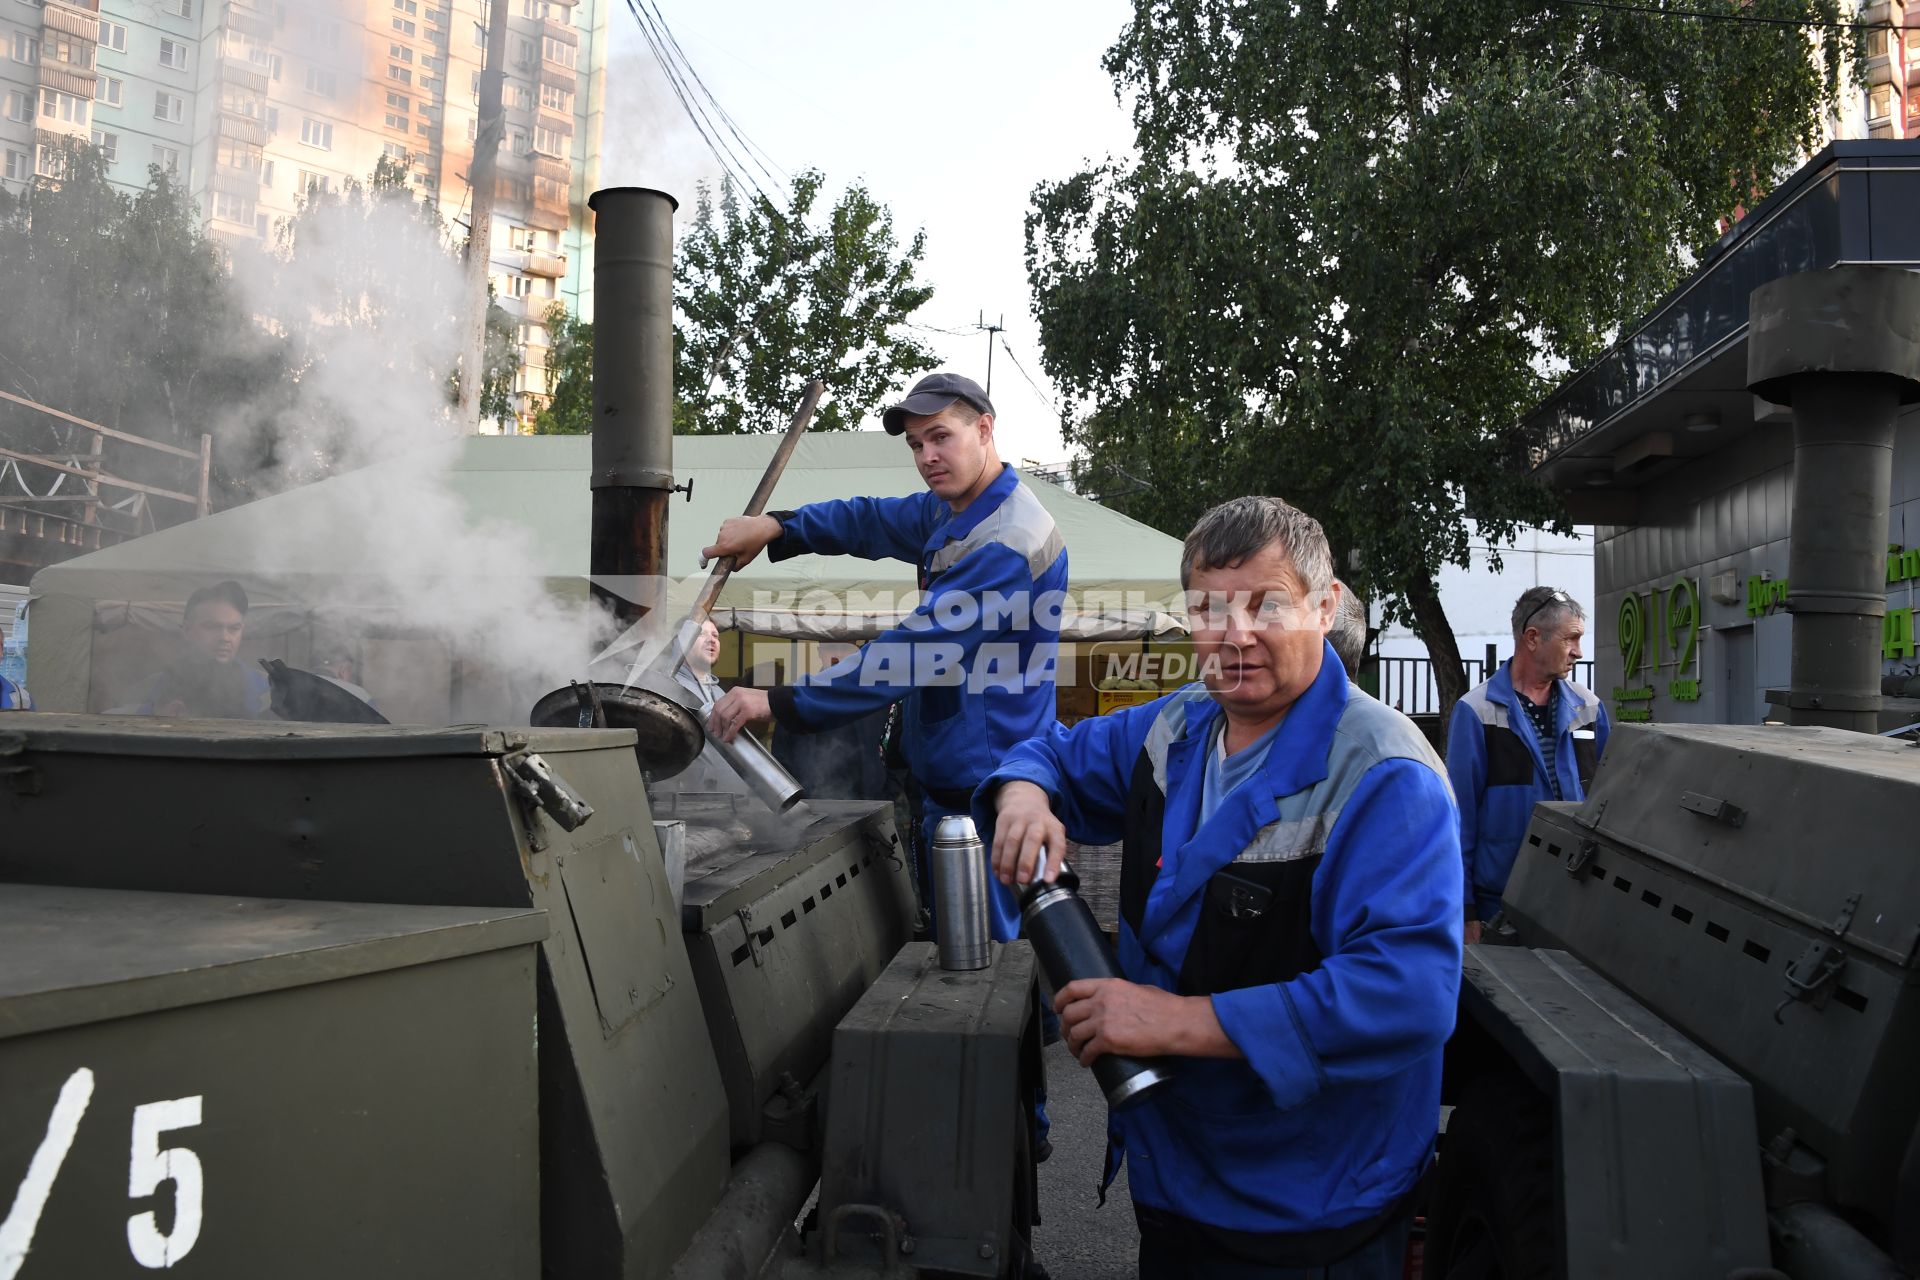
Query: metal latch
[[1713, 807], [1811, 977], [1582, 855], [546, 790]]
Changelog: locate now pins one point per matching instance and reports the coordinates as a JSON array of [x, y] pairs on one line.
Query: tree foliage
[[1360, 239], [118, 307], [569, 407], [766, 299]]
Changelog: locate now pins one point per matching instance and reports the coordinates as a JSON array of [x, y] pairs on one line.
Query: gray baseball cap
[[932, 394]]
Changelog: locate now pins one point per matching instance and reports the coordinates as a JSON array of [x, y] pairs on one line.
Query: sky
[[950, 115]]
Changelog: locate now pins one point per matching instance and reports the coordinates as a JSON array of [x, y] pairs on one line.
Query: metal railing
[[1408, 685]]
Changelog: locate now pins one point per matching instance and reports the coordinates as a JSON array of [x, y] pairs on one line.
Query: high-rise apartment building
[[253, 102], [1893, 71]]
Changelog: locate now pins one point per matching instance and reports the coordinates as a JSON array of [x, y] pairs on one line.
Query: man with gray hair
[[1289, 922], [1349, 633], [1524, 734]]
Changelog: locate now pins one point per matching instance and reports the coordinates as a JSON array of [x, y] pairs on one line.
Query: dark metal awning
[[1674, 386]]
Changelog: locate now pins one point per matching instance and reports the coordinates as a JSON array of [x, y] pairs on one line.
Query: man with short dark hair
[[1289, 922], [1526, 733], [208, 680], [974, 663]]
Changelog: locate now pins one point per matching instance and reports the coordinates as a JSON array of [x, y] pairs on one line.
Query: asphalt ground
[[1077, 1239]]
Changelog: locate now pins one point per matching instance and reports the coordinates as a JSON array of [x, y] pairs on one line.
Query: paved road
[[1077, 1239]]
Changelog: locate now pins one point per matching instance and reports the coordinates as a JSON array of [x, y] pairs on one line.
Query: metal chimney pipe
[[632, 396], [1842, 347]]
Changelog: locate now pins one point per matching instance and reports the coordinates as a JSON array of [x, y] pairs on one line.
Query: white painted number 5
[[151, 1165]]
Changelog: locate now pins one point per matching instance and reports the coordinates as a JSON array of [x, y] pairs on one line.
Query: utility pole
[[993, 330], [480, 180]]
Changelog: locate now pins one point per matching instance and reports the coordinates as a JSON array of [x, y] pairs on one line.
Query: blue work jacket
[[1319, 907], [1498, 770], [14, 697], [975, 662]]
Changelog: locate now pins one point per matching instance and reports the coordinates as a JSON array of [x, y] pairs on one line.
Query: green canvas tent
[[351, 542]]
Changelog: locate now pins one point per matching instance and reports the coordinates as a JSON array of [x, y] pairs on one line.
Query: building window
[[168, 158], [395, 151], [173, 54], [228, 207], [428, 85], [400, 53], [273, 119], [324, 83], [50, 162], [25, 47], [260, 225], [170, 107], [67, 108], [399, 101], [480, 35], [273, 65], [17, 167], [235, 154], [178, 8], [564, 54], [397, 122], [266, 174], [411, 7], [554, 98], [399, 74], [436, 36], [523, 53], [517, 138], [19, 108], [113, 36], [316, 133], [107, 90], [109, 144], [521, 96], [425, 129], [311, 182], [549, 142], [64, 48], [405, 26], [329, 33]]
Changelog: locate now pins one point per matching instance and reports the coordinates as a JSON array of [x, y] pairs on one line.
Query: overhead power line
[[1044, 397]]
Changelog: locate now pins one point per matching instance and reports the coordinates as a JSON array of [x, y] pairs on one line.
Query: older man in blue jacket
[[975, 662], [1526, 733], [1290, 922]]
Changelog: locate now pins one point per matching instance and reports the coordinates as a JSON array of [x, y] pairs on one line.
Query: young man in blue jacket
[[1526, 733], [974, 663], [1289, 923]]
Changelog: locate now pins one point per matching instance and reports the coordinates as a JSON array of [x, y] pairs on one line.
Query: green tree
[[768, 298], [120, 310], [569, 407], [765, 300], [1360, 239]]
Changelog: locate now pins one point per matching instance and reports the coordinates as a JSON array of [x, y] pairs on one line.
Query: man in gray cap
[[974, 664]]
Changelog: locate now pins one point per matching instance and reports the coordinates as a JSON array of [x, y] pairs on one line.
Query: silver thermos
[[960, 895]]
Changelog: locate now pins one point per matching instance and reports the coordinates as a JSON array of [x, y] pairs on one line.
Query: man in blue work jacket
[[975, 661], [1289, 922], [1524, 734]]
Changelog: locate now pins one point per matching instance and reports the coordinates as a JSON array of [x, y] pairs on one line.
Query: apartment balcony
[[553, 168], [550, 265], [1888, 12], [66, 79], [240, 128], [560, 77], [236, 180], [516, 308], [560, 31], [243, 73], [70, 20]]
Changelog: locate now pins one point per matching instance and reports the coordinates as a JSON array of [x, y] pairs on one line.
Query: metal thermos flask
[[1069, 945], [960, 894]]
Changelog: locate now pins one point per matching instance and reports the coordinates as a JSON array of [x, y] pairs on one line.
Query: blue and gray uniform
[[1318, 904], [1499, 770], [974, 663], [14, 697]]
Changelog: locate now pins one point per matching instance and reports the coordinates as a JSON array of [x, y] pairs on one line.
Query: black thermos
[[1068, 943]]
